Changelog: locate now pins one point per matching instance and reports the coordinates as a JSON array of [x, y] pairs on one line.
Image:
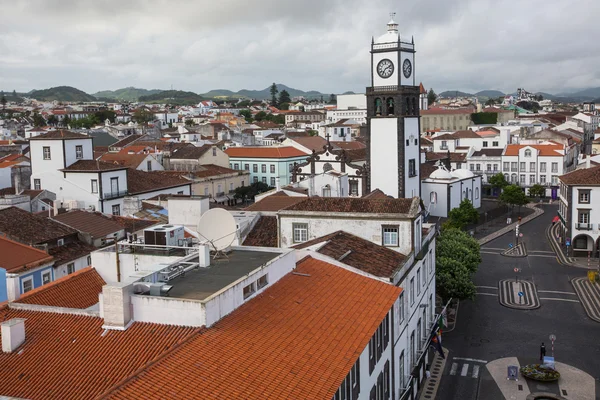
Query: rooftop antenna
[[219, 229]]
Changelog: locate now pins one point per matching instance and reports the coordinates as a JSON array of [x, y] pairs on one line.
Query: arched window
[[433, 197], [390, 106], [527, 153], [378, 106]]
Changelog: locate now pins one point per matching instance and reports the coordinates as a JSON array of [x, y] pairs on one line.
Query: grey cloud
[[314, 44]]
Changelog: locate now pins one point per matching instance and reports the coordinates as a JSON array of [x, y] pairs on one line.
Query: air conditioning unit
[[164, 235]]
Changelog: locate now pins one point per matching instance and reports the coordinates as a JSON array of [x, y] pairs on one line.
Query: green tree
[[463, 215], [457, 259], [537, 191], [38, 120], [274, 92], [52, 120], [332, 99], [243, 103], [143, 116], [3, 100], [284, 106], [431, 97], [248, 192], [284, 97], [65, 121], [498, 181], [189, 122], [247, 114], [15, 94], [104, 115], [261, 115], [490, 102], [312, 132], [278, 119], [513, 195]]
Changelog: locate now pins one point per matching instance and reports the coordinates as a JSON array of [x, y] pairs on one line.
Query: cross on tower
[[327, 136]]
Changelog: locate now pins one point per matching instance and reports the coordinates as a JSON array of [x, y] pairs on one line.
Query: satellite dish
[[218, 227]]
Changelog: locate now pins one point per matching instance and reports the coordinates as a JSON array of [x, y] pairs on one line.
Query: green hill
[[176, 97], [61, 93], [126, 94], [489, 93], [263, 94], [454, 93]]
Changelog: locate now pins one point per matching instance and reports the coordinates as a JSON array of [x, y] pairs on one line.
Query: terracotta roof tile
[[77, 290], [143, 182], [62, 348], [315, 143], [60, 134], [545, 150], [266, 348], [132, 225], [94, 223], [274, 203], [364, 255], [264, 233], [354, 205], [465, 134], [264, 152], [208, 170], [584, 176], [17, 257], [92, 166], [376, 194], [353, 145], [70, 251], [190, 152], [488, 153], [126, 141], [123, 159], [31, 228], [437, 111]]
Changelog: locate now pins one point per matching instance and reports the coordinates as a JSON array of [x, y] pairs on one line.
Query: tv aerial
[[219, 229]]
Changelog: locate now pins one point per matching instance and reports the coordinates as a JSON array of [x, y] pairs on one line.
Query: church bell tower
[[393, 116]]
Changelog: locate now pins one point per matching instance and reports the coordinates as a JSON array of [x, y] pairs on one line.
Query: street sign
[[513, 373], [552, 338], [521, 294], [510, 245], [549, 362], [520, 235], [568, 242], [516, 269]]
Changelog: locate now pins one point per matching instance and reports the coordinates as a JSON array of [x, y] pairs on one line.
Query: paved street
[[488, 331]]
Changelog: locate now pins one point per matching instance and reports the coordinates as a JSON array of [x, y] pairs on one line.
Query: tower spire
[[392, 25]]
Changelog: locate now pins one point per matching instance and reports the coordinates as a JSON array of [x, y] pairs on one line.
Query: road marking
[[556, 291], [541, 255], [541, 251], [453, 369], [465, 369], [488, 252], [475, 371], [489, 287], [488, 294], [492, 248], [550, 298], [471, 360]]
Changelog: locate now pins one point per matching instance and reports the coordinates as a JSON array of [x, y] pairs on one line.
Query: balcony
[[584, 227], [114, 195], [442, 147], [219, 194], [382, 89]]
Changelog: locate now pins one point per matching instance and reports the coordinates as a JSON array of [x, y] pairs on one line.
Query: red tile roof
[[208, 170], [94, 223], [77, 290], [17, 257], [123, 159], [363, 254], [143, 182], [315, 143], [354, 205], [60, 134], [264, 152], [376, 194], [353, 145], [296, 340], [545, 150], [72, 357], [274, 203], [264, 233], [584, 176], [31, 228], [92, 166], [70, 251]]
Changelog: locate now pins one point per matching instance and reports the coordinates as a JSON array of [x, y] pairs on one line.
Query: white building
[[443, 191], [349, 106], [579, 211]]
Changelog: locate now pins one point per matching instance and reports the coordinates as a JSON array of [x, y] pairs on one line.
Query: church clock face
[[407, 68], [385, 68]]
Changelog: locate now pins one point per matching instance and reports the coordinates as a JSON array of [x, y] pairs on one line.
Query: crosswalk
[[466, 367]]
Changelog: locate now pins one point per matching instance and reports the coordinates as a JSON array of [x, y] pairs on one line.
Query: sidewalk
[[579, 262], [508, 228]]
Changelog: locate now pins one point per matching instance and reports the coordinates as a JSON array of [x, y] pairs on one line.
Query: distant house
[[190, 158], [141, 161], [98, 228], [22, 269]]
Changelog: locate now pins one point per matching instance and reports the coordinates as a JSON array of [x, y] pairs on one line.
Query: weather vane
[[392, 15]]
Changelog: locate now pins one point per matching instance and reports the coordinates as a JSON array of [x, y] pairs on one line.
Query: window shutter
[[386, 384], [386, 337], [356, 381], [373, 395], [379, 342]]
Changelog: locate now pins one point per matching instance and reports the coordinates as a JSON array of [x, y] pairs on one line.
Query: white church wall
[[384, 155], [412, 151]]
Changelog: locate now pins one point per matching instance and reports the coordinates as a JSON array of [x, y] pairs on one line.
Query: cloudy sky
[[310, 44]]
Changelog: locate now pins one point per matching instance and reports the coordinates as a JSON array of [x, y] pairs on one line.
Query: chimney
[[588, 162], [277, 184], [13, 334], [17, 185], [204, 255]]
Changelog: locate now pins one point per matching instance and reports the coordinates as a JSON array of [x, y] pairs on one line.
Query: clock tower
[[393, 117]]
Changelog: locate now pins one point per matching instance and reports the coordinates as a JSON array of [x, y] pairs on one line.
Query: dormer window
[[527, 153], [79, 152]]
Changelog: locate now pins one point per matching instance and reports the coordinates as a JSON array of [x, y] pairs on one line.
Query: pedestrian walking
[[542, 352]]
